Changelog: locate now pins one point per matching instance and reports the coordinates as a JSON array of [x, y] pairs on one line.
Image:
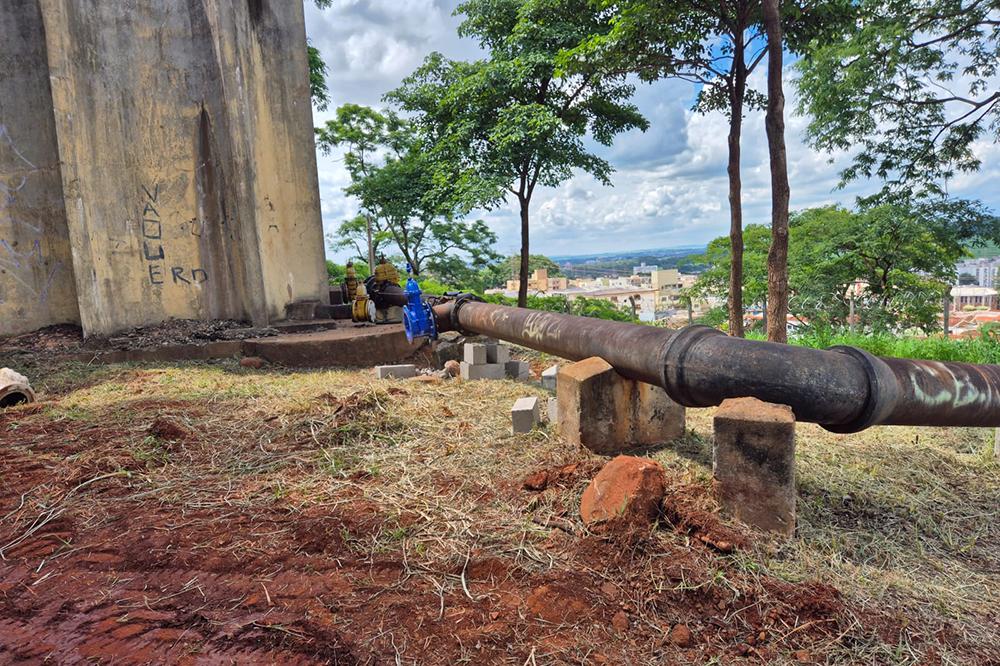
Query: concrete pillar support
[[608, 414], [754, 463]]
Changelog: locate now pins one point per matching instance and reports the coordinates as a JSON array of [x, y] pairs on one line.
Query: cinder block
[[497, 353], [486, 371], [549, 376], [517, 370], [754, 463], [395, 371], [524, 414], [475, 353], [599, 409]]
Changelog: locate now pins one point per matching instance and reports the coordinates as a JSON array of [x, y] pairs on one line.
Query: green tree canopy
[[903, 255], [716, 46], [909, 90], [392, 176], [502, 125]]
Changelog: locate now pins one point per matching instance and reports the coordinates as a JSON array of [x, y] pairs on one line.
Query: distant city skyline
[[670, 182]]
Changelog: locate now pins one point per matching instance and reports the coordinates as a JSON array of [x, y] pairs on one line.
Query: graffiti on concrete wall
[[16, 264], [153, 249]]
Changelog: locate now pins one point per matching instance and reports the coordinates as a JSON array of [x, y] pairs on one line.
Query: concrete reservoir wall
[[156, 161]]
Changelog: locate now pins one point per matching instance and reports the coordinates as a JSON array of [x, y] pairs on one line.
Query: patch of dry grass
[[902, 520]]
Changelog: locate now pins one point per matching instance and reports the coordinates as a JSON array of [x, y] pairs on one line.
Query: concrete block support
[[475, 354], [553, 410], [754, 463], [396, 371], [524, 415], [485, 371], [601, 410]]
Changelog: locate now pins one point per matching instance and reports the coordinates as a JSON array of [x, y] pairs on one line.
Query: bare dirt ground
[[205, 513]]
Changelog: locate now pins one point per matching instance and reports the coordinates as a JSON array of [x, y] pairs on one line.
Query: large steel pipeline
[[844, 389]]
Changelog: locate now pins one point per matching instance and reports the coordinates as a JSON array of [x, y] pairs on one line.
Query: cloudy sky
[[670, 185]]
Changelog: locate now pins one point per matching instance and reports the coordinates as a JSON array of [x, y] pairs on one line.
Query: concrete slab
[[347, 346], [404, 371], [486, 371], [549, 376], [517, 370], [475, 354], [524, 415], [497, 354]]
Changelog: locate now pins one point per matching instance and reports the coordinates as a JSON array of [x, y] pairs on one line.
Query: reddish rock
[[453, 368], [681, 636], [620, 622], [629, 489], [254, 362], [538, 481]]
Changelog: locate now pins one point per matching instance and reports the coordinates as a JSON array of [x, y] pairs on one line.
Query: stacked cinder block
[[491, 361]]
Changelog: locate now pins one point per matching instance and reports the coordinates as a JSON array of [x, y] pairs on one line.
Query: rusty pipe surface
[[844, 389]]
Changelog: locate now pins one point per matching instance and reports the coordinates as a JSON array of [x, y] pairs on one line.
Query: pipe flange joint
[[673, 359], [883, 391], [461, 300]]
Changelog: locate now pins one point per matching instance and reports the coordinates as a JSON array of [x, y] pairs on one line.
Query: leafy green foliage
[[904, 256], [911, 90], [337, 272], [392, 176], [317, 79], [983, 349], [580, 306]]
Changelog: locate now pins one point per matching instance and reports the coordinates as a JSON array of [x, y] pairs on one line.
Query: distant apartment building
[[643, 268], [983, 270], [667, 284], [973, 298], [540, 283]]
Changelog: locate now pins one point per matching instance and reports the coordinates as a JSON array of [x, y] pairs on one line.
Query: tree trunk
[[777, 256], [736, 196], [522, 289]]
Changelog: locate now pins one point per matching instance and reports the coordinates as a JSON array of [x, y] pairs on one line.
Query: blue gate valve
[[418, 318]]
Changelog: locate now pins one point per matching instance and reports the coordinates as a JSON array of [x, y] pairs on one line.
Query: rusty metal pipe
[[844, 389]]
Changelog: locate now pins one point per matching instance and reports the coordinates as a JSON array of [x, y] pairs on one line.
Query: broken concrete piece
[[754, 463], [485, 371], [553, 410], [404, 371], [524, 414], [497, 353], [549, 376], [608, 414], [475, 354], [517, 370], [14, 389], [627, 490]]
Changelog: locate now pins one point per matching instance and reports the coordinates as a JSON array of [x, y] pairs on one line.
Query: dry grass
[[904, 521]]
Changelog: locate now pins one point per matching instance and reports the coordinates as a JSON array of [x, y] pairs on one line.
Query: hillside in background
[[684, 258]]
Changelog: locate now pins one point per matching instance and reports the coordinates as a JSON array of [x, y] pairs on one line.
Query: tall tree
[[503, 125], [777, 257], [910, 91], [392, 177], [717, 45]]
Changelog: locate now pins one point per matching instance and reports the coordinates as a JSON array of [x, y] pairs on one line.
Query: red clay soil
[[98, 568]]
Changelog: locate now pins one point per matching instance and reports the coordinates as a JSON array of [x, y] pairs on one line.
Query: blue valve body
[[418, 319]]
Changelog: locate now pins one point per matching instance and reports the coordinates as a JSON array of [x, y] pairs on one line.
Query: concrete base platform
[[347, 346]]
